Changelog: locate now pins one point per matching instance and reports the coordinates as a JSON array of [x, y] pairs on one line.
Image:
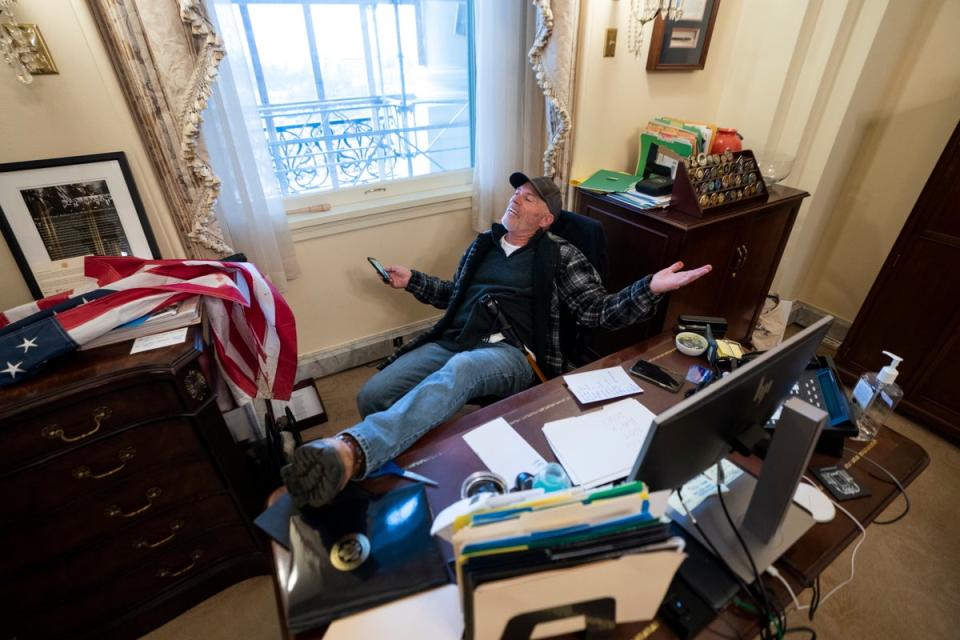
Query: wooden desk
[[444, 456]]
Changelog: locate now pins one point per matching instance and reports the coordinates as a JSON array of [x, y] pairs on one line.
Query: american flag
[[253, 330]]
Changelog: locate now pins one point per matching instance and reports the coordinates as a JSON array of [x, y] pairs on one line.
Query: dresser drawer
[[107, 463], [36, 435], [150, 579], [120, 554], [106, 514]]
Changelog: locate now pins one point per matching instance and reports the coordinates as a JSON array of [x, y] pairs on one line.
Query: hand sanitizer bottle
[[876, 394]]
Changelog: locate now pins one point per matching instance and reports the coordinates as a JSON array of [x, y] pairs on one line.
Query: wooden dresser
[[124, 496], [743, 244]]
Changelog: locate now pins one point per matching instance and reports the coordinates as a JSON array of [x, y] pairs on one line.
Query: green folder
[[680, 147], [604, 181]]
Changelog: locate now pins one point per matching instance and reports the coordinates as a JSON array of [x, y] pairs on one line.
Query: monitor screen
[[691, 436]]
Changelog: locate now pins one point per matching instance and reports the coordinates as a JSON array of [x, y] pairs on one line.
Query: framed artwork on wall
[[54, 212], [682, 45]]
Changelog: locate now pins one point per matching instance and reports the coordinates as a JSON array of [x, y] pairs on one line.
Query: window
[[354, 92]]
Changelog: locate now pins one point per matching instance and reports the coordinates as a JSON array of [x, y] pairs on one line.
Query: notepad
[[601, 446], [603, 384]]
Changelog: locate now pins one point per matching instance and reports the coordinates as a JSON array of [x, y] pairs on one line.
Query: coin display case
[[710, 183]]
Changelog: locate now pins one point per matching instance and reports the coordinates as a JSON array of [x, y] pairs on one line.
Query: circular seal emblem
[[350, 551]]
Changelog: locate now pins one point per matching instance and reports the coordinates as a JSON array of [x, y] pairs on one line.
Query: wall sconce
[[22, 46], [642, 12]]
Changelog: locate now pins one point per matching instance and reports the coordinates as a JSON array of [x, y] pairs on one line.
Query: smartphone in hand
[[379, 269], [657, 375]]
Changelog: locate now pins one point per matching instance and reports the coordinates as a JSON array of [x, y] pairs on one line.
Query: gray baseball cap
[[545, 188]]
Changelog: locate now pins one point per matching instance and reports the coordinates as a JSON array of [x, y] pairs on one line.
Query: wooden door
[[913, 308]]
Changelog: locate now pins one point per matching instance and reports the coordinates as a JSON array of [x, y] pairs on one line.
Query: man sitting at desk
[[530, 273]]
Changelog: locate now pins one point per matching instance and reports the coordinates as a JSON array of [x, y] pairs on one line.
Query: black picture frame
[[682, 45], [41, 202]]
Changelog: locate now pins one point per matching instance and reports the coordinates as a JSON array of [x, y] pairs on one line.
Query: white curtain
[[554, 60], [510, 129], [250, 209]]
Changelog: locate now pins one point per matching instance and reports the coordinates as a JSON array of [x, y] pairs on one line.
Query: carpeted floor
[[906, 584]]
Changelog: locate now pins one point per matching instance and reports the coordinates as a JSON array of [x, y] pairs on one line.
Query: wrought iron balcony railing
[[336, 143]]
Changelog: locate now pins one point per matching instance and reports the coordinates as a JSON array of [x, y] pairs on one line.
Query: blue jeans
[[426, 386]]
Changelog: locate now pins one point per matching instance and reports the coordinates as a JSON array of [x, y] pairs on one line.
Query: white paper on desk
[[603, 384], [703, 486], [431, 614], [503, 450], [165, 339], [600, 446]]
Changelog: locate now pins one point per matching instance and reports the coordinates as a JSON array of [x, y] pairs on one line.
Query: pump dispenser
[[877, 395]]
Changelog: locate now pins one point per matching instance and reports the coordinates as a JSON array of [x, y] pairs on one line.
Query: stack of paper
[[176, 316], [562, 549], [601, 446]]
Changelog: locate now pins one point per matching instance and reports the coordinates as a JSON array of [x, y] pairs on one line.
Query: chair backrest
[[587, 235]]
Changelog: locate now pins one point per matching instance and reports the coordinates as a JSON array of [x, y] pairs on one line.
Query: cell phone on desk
[[657, 375], [379, 269]]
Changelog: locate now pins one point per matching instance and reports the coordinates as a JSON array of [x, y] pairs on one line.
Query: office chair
[[587, 235]]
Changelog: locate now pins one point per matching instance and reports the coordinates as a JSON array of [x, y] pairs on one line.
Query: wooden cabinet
[[912, 308], [744, 245], [125, 499]]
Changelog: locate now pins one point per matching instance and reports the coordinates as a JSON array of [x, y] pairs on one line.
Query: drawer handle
[[175, 526], [53, 431], [114, 510], [125, 455], [170, 573]]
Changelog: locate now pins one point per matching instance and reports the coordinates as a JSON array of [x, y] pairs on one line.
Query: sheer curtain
[[510, 127], [250, 210]]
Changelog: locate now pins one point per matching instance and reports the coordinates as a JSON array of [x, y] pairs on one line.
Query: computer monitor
[[688, 438], [698, 432]]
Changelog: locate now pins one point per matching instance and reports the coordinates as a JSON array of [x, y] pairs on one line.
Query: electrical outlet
[[398, 342], [610, 43]]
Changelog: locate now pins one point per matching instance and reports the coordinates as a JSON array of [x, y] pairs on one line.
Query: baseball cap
[[545, 188]]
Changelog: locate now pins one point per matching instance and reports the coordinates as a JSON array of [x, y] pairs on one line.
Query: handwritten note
[[601, 446], [156, 341], [594, 386]]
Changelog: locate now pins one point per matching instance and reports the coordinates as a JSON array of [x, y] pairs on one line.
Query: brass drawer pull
[[52, 431], [114, 510], [125, 455], [169, 573], [175, 526]]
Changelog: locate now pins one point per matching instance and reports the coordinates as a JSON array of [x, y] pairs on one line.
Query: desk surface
[[444, 456]]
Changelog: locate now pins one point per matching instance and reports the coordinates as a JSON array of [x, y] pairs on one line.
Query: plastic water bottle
[[551, 478]]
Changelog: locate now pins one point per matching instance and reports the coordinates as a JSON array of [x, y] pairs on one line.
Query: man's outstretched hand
[[399, 276], [673, 278]]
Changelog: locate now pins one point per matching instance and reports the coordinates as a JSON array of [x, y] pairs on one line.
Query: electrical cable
[[759, 580], [853, 557], [763, 615], [903, 492], [772, 570]]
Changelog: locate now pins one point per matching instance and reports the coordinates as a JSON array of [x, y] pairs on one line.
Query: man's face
[[526, 212]]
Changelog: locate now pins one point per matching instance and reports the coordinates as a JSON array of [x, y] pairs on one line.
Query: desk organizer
[[710, 183]]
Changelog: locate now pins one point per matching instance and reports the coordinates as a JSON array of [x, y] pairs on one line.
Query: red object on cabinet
[[726, 139]]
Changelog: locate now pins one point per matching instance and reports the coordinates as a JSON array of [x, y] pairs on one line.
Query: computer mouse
[[814, 501]]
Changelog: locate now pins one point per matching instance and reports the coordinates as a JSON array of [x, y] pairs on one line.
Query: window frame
[[371, 197]]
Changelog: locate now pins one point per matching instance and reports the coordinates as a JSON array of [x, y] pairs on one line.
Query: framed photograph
[[305, 404], [54, 212], [682, 45]]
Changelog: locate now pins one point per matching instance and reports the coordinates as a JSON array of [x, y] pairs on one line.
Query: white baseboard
[[805, 314], [326, 362]]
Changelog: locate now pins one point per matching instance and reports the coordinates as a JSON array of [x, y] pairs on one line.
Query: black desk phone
[[819, 385]]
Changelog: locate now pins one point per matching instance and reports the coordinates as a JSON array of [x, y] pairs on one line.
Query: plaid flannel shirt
[[576, 285]]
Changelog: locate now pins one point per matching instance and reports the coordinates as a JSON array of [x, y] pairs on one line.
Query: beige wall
[[81, 111], [901, 143], [340, 300]]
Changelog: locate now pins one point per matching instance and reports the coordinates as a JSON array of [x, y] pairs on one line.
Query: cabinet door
[[756, 254]]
